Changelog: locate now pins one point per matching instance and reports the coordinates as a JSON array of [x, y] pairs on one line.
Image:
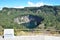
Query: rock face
[[22, 19], [30, 21]]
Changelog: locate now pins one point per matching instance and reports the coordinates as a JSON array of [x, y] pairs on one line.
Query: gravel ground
[[39, 37]]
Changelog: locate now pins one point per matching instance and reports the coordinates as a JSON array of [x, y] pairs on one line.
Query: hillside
[[44, 17]]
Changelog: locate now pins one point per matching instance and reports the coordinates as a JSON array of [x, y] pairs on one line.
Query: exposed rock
[[23, 19], [30, 21], [17, 20]]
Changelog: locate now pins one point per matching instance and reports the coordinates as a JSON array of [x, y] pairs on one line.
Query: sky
[[27, 3]]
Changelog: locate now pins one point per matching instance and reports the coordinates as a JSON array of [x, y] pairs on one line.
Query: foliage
[[50, 14]]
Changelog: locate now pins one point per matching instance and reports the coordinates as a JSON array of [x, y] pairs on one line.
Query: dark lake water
[[34, 21]]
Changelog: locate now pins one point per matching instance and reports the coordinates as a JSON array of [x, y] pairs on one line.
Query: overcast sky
[[27, 3]]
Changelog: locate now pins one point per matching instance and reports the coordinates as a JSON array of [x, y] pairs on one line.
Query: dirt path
[[38, 37]]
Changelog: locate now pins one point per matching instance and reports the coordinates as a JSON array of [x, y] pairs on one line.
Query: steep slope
[[50, 14]]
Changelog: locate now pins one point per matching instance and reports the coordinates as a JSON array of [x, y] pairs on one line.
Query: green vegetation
[[51, 15]]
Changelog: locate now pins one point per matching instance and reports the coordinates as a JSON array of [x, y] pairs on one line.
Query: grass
[[20, 32]]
